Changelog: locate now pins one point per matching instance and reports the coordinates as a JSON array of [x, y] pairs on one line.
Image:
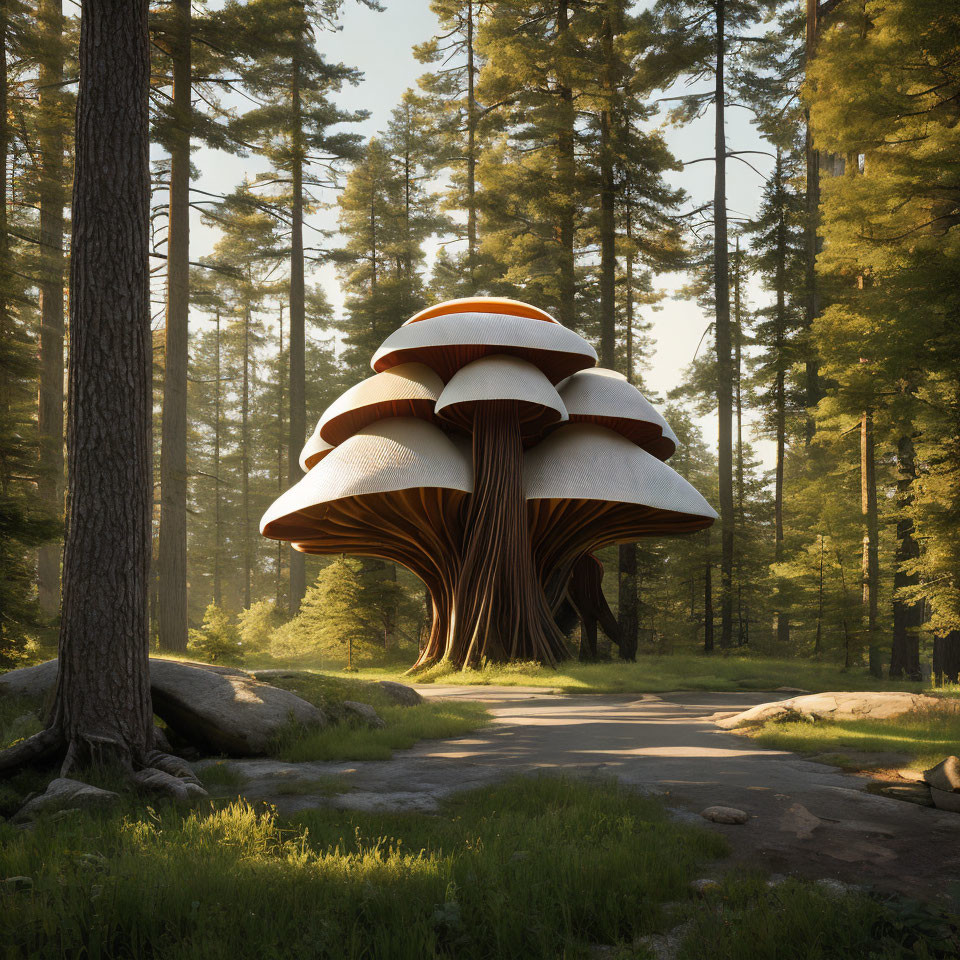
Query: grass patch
[[926, 736], [405, 726], [658, 674], [747, 920], [532, 869], [348, 739], [221, 775]]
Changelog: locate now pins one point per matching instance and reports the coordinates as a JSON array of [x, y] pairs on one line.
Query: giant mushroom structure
[[488, 455]]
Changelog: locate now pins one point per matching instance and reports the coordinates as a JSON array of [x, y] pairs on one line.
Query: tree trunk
[[298, 411], [280, 478], [907, 614], [245, 460], [471, 153], [721, 280], [566, 173], [871, 552], [608, 258], [103, 706], [707, 597], [172, 561], [779, 392], [217, 517], [946, 657], [50, 412]]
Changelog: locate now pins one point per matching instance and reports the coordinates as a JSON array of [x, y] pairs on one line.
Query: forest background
[[797, 323]]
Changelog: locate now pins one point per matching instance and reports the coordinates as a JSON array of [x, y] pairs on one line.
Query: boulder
[[945, 800], [66, 794], [34, 682], [362, 712], [400, 693], [225, 712], [832, 706], [724, 815], [219, 708], [945, 776]]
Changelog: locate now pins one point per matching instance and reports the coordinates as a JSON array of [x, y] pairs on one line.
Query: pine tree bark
[[172, 546], [708, 638], [566, 174], [870, 568], [721, 275], [608, 258], [907, 615], [53, 265], [103, 707], [297, 339], [779, 394], [245, 461], [471, 152], [217, 518]]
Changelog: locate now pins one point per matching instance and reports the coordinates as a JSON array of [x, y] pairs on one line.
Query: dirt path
[[805, 817]]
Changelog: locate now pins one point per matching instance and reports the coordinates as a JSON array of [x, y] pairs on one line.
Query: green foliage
[[256, 625], [218, 640], [345, 614]]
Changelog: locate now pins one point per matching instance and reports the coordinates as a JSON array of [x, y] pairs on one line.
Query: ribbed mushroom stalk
[[502, 611]]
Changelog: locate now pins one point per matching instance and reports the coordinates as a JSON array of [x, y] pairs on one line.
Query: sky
[[380, 46]]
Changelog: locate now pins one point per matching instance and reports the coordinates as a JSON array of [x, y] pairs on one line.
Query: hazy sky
[[379, 44]]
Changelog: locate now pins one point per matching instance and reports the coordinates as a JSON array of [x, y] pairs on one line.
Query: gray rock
[[837, 889], [32, 682], [362, 712], [66, 794], [226, 712], [945, 800], [945, 775], [400, 693], [724, 815], [833, 706], [153, 780]]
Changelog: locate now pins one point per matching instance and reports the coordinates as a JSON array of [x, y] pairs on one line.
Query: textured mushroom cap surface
[[580, 461], [500, 377], [449, 342], [314, 450], [400, 453], [515, 308], [407, 390], [603, 397]]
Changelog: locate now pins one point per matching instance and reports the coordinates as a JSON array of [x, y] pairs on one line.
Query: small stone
[[945, 775], [945, 800], [835, 889], [400, 693], [775, 880], [362, 712], [914, 776], [724, 815], [911, 792], [704, 886], [66, 794]]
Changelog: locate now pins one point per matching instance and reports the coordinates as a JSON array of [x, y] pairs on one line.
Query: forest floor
[[565, 796], [653, 673]]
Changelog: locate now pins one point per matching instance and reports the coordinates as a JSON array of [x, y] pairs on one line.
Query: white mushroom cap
[[500, 377], [314, 450], [400, 453], [407, 390], [451, 341], [580, 461], [606, 398]]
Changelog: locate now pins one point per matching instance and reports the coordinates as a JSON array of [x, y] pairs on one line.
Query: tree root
[[36, 749]]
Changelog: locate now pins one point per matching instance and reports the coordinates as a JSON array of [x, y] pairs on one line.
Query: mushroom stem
[[502, 612]]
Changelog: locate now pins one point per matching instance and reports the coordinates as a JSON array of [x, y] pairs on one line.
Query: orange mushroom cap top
[[503, 305]]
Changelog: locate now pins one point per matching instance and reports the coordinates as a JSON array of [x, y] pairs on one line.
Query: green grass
[[658, 674], [794, 920], [405, 726], [221, 775], [348, 739], [925, 736], [534, 868]]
